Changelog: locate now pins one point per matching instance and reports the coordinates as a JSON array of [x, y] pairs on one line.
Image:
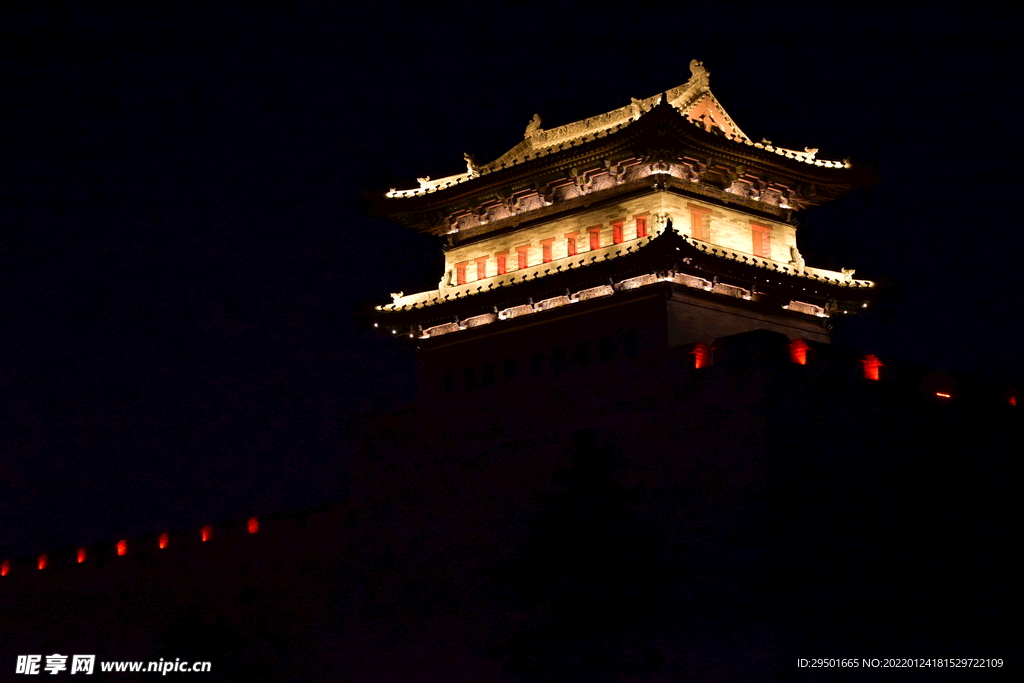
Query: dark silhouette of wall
[[613, 513]]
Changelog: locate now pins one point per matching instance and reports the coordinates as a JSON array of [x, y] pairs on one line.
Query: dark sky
[[185, 254]]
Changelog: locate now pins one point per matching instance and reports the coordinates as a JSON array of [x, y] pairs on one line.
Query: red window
[[701, 355], [206, 533], [43, 560], [254, 525], [523, 253], [481, 268], [122, 547], [570, 242], [641, 226], [762, 239], [501, 257], [798, 351], [545, 246], [81, 555], [162, 541], [871, 365], [595, 237], [700, 228], [617, 232], [460, 272]]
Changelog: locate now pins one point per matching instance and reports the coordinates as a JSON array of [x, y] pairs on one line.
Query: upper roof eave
[[662, 128], [693, 100]]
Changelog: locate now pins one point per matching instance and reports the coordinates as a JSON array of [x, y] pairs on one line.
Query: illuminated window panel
[[641, 227], [700, 228], [761, 236], [570, 242], [546, 249], [523, 256], [617, 232]]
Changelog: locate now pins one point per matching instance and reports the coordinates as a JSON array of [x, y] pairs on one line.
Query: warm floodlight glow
[[206, 533], [43, 561], [81, 555], [5, 568], [163, 541], [943, 395], [122, 547]]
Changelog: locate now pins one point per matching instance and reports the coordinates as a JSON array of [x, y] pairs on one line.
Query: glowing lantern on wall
[[43, 560], [206, 533], [122, 547], [81, 555], [162, 541]]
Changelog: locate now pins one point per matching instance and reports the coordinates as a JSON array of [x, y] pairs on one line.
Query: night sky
[[187, 260]]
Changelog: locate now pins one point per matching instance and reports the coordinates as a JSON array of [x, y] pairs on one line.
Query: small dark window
[[511, 368], [630, 343], [583, 355], [487, 375], [609, 349], [449, 382], [559, 359], [470, 377], [537, 363]]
